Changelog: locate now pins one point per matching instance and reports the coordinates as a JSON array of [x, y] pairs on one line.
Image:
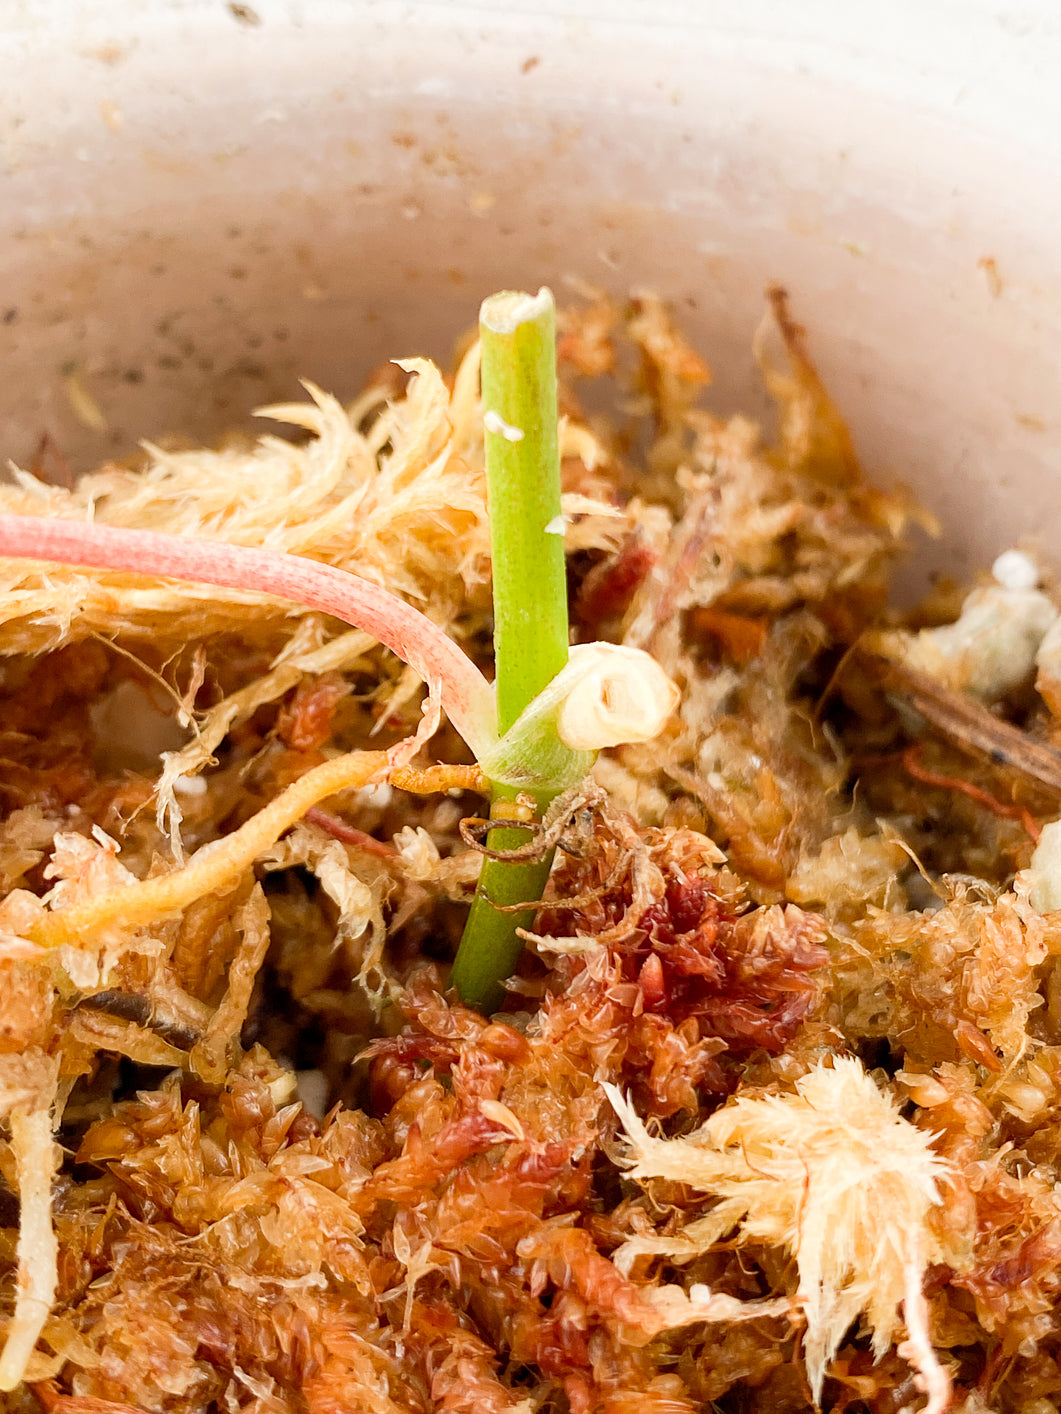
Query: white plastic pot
[[203, 201]]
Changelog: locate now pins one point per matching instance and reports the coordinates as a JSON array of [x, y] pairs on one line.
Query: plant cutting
[[555, 708], [534, 733]]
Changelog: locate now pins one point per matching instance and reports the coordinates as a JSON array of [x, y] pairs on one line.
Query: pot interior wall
[[204, 203]]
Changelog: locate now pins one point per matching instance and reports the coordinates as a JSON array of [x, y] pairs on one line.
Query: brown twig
[[970, 727]]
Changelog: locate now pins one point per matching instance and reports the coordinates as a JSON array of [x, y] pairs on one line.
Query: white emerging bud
[[619, 695], [606, 695]]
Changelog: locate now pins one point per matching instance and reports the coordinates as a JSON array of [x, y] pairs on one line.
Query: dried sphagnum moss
[[357, 1195], [811, 1172]]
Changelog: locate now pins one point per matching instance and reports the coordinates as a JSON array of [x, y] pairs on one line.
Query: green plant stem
[[490, 948], [518, 337]]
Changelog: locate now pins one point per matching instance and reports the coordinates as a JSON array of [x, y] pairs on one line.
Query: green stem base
[[492, 947]]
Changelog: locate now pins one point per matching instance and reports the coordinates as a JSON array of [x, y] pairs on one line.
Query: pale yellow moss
[[393, 490], [36, 1160], [833, 1174]]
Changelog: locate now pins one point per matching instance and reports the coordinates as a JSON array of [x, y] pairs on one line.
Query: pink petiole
[[465, 695]]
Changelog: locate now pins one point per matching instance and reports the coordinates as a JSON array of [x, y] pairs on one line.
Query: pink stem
[[348, 834], [465, 695]]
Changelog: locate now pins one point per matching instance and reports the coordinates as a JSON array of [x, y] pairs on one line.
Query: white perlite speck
[[495, 423], [1014, 569]]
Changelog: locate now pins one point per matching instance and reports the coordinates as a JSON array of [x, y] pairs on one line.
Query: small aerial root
[[438, 778]]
